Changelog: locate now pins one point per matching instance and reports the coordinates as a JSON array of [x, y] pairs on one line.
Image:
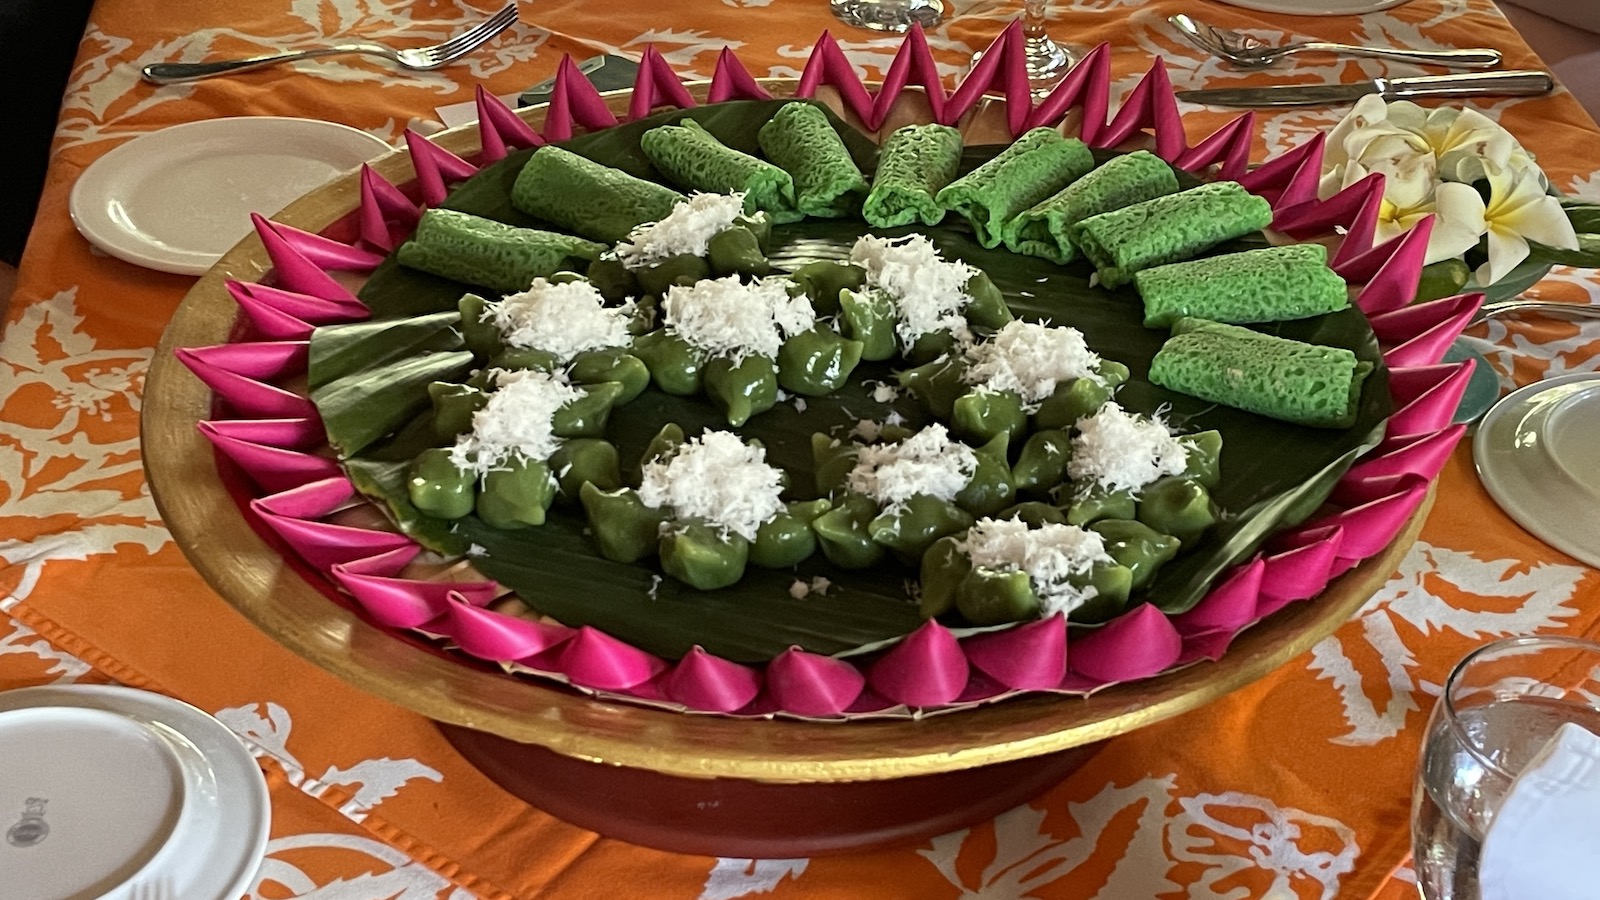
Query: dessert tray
[[317, 567]]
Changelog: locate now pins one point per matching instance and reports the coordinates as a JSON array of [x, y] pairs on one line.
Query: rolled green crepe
[[916, 161], [493, 254], [586, 197], [1268, 285], [800, 139], [693, 158], [1035, 166], [1167, 229], [1122, 181], [1307, 384]]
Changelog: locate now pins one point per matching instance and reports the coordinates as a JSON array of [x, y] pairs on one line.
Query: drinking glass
[[1499, 707], [888, 15], [1047, 60]]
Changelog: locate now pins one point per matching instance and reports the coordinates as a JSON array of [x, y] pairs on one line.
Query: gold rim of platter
[[251, 576]]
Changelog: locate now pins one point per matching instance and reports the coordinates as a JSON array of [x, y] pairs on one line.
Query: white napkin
[[1544, 843]]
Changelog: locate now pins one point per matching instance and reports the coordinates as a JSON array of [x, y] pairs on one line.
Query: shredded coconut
[[1123, 451], [1052, 555], [727, 317], [884, 392], [928, 462], [565, 319], [718, 478], [799, 589], [820, 585], [515, 422], [867, 430], [689, 229], [1030, 360], [928, 292]]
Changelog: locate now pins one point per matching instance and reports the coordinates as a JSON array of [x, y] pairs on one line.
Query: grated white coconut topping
[[689, 229], [1051, 554], [928, 292], [1124, 451], [515, 422], [1030, 360], [718, 478], [727, 317], [565, 319], [928, 462]]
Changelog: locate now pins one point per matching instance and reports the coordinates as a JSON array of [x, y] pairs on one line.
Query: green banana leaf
[[1275, 474]]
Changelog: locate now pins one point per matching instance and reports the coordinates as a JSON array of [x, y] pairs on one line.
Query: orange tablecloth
[[1297, 786]]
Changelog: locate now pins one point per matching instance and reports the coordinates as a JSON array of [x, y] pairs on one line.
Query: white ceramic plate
[[1317, 7], [177, 199], [1535, 452], [108, 788]]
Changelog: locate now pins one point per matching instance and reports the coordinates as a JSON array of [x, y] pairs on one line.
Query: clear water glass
[[888, 15], [1499, 707], [1047, 59]]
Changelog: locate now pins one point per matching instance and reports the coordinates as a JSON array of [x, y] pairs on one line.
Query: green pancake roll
[[1035, 166], [492, 254], [800, 139], [586, 197], [693, 158], [1042, 231], [914, 164], [1269, 285], [1167, 229], [1306, 384]]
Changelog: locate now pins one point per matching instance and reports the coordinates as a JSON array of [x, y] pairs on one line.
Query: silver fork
[[1512, 307], [419, 58], [1246, 52]]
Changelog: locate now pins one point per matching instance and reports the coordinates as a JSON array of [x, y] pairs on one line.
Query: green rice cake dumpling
[[914, 164], [1168, 229], [1035, 166], [693, 158], [505, 258], [1042, 231], [800, 139], [586, 197], [1307, 384], [1268, 285]]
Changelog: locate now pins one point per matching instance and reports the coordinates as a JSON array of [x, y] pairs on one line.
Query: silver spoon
[[1246, 52]]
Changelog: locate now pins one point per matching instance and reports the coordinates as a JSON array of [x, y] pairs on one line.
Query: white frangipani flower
[[1518, 211]]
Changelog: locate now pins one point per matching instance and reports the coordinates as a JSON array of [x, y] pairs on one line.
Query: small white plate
[[107, 788], [1317, 7], [1536, 455], [177, 199]]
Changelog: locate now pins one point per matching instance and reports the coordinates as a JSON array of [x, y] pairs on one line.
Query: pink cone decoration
[[1030, 657], [1136, 644], [303, 433], [1003, 68], [261, 360], [325, 252], [1299, 573], [495, 636], [705, 682], [272, 324], [1424, 454], [1291, 178], [1212, 645], [1370, 527], [926, 669], [323, 544], [387, 215], [732, 81], [273, 469], [1403, 324], [435, 167], [913, 64], [293, 272], [1359, 267], [807, 684], [407, 603], [1429, 347], [597, 660], [1350, 492], [1086, 85], [656, 85], [500, 128], [246, 396], [828, 65], [311, 500], [1395, 284], [1435, 407], [1151, 105], [1230, 606], [1229, 145], [574, 102], [388, 564], [1343, 209], [304, 307]]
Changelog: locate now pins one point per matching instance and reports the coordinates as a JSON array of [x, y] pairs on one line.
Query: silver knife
[[1523, 83]]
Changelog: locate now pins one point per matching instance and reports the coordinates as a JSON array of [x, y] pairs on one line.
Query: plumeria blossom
[[1518, 210]]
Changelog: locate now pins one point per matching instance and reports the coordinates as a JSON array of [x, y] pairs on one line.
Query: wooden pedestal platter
[[690, 783]]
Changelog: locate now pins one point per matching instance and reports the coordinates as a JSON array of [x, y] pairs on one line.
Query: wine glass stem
[[1033, 22]]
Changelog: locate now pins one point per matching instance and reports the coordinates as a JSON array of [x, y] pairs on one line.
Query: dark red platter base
[[757, 820]]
